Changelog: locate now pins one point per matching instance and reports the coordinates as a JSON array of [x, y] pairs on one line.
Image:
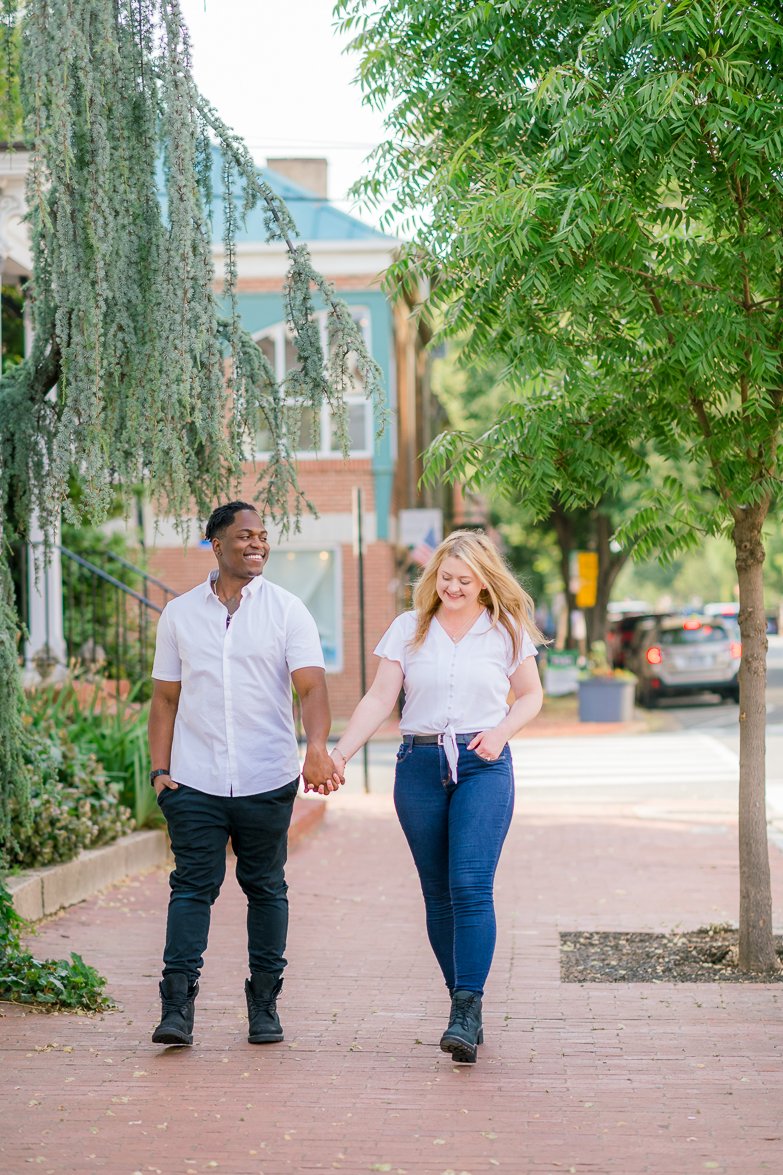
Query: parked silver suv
[[686, 655]]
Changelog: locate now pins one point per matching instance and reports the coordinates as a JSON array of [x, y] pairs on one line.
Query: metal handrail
[[104, 575], [145, 575]]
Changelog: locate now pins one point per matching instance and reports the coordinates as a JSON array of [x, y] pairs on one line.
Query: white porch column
[[46, 656]]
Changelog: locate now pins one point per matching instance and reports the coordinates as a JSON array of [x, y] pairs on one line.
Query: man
[[225, 763]]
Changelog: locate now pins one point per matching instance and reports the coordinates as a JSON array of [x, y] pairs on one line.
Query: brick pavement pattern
[[611, 1079]]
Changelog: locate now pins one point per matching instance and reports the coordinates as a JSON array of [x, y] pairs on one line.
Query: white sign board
[[413, 526]]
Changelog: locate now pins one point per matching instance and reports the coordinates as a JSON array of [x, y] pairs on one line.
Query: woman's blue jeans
[[455, 833]]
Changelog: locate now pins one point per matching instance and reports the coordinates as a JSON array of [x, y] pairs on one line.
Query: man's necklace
[[231, 603]]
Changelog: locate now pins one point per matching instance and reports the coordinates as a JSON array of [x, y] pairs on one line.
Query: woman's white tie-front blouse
[[462, 686]]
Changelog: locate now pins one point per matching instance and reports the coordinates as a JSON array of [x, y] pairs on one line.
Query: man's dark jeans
[[200, 826], [455, 833]]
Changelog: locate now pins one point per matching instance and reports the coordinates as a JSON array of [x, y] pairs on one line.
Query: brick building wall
[[329, 484]]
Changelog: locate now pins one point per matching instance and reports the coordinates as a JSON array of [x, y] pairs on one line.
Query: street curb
[[36, 893]]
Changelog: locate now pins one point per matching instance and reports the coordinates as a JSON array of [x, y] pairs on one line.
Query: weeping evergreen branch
[[139, 374]]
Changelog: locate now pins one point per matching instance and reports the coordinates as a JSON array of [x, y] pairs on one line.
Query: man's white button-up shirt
[[234, 729]]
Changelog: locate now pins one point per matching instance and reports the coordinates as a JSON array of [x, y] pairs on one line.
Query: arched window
[[319, 437]]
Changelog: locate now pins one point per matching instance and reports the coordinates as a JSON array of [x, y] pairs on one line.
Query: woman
[[467, 641]]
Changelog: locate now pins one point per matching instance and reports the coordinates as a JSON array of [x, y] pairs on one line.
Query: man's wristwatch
[[160, 771]]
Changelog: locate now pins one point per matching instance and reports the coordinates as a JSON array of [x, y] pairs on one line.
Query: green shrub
[[57, 982], [73, 804], [114, 731]]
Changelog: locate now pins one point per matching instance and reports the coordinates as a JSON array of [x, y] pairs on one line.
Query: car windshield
[[703, 635]]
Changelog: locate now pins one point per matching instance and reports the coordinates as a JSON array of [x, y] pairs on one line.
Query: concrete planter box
[[39, 892], [606, 699]]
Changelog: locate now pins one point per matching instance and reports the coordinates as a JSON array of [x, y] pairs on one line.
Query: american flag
[[423, 550]]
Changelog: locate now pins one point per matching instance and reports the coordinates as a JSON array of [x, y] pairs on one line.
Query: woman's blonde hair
[[507, 603]]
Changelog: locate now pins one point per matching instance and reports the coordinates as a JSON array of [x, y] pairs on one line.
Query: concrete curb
[[37, 893]]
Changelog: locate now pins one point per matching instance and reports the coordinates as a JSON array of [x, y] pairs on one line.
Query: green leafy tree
[[598, 186], [139, 374], [476, 396]]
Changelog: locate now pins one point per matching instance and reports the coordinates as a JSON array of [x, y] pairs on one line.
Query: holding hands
[[322, 773]]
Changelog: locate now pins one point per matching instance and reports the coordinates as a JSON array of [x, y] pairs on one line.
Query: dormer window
[[317, 435]]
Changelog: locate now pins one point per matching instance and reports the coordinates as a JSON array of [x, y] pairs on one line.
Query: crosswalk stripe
[[615, 761]]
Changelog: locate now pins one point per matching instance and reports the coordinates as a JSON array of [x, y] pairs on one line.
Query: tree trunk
[[756, 947], [563, 527], [610, 564]]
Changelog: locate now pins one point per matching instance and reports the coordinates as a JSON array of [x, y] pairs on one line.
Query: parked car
[[688, 655], [731, 611], [620, 635]]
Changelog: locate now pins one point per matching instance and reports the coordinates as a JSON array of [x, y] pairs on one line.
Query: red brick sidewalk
[[606, 1079]]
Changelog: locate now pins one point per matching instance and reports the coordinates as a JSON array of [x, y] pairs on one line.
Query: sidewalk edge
[[36, 893]]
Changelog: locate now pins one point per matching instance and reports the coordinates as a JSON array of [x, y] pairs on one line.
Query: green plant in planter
[[598, 665], [73, 804], [115, 732], [59, 983]]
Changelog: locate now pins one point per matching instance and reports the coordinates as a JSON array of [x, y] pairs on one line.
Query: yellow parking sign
[[584, 578]]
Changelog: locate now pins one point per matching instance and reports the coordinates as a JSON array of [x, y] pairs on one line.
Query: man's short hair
[[223, 516]]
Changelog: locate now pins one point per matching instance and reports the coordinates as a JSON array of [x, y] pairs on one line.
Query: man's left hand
[[318, 771]]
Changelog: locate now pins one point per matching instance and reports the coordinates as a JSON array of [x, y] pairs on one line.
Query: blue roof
[[314, 216]]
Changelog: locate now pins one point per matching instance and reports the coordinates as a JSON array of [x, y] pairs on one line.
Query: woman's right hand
[[340, 761]]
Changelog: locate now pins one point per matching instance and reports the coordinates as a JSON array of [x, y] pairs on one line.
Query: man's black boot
[[177, 996], [465, 1031], [261, 992]]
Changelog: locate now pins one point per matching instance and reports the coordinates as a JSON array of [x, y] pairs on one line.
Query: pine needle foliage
[[139, 373]]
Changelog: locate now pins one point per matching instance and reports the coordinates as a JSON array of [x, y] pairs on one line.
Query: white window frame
[[283, 549], [278, 333]]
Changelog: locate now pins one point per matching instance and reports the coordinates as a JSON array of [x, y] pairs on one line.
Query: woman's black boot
[[465, 1031], [177, 996]]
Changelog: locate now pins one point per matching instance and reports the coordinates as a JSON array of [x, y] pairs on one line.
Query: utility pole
[[358, 549]]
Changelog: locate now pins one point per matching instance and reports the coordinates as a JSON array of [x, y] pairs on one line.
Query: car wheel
[[646, 697], [732, 696]]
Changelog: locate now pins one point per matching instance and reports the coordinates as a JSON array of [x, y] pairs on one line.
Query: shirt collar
[[250, 588]]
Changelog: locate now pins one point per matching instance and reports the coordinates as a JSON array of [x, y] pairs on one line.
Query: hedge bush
[[73, 803]]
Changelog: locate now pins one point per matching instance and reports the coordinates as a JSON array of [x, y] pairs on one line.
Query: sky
[[277, 75]]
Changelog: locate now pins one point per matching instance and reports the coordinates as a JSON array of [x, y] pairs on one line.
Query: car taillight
[[692, 625], [735, 648], [654, 655]]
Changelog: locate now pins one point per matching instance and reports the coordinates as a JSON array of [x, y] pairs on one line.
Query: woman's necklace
[[456, 637]]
